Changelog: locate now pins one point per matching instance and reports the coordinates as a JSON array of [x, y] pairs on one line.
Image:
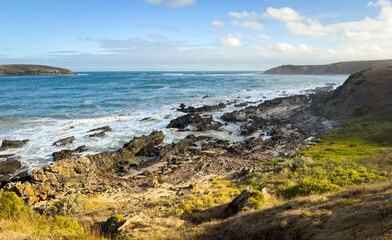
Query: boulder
[[13, 144], [67, 154], [64, 142], [10, 166]]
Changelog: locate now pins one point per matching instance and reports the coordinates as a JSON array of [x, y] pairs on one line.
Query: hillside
[[366, 92], [32, 70], [340, 68]]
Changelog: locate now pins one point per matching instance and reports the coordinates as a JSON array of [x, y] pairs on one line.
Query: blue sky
[[143, 35]]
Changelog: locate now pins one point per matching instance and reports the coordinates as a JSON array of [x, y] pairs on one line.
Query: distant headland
[[340, 68], [32, 70]]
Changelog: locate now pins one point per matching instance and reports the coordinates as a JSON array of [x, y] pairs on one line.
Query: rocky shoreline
[[272, 129]]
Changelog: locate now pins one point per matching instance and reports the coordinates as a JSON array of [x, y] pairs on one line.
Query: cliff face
[[366, 92], [32, 70], [341, 68]]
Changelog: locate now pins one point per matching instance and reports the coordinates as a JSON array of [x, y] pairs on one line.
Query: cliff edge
[[340, 68], [32, 70]]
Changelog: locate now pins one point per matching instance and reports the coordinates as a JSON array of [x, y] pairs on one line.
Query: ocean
[[45, 109]]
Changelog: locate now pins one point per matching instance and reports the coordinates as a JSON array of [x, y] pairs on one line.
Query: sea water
[[45, 109]]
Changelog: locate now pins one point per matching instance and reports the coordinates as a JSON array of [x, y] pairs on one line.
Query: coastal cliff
[[340, 68], [32, 70]]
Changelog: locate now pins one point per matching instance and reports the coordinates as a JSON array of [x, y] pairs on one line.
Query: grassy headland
[[32, 70]]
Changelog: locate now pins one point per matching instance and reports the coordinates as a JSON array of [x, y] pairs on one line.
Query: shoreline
[[54, 129], [275, 135]]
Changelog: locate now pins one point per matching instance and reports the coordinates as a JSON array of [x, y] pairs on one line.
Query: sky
[[192, 35]]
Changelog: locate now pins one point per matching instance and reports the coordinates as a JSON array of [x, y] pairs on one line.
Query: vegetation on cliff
[[340, 68], [32, 70]]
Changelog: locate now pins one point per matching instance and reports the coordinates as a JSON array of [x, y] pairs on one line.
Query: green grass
[[354, 154]]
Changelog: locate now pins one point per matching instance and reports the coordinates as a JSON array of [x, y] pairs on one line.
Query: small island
[[32, 70], [340, 68]]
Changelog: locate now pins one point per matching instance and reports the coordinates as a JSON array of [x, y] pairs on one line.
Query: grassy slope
[[357, 159], [29, 70], [344, 68]]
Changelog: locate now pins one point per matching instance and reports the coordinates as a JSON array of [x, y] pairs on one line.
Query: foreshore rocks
[[6, 144], [64, 142], [9, 166], [205, 108], [201, 123], [63, 175], [67, 154], [101, 133]]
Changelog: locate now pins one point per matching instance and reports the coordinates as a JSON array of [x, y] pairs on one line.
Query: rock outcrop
[[363, 93], [13, 144]]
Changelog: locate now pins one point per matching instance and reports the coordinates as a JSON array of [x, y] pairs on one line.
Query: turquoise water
[[47, 108]]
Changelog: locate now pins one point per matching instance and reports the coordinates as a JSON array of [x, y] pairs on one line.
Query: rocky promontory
[[32, 70], [340, 68]]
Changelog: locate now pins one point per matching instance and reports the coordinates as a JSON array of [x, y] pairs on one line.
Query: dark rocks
[[202, 123], [104, 129], [205, 108], [177, 148], [9, 166], [67, 154], [237, 204], [64, 142], [102, 132], [13, 144], [7, 155]]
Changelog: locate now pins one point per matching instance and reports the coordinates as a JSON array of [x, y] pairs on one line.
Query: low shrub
[[68, 205], [11, 205], [310, 186]]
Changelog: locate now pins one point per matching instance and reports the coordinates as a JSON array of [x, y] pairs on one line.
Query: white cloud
[[285, 14], [264, 37], [217, 24], [247, 24], [171, 3], [246, 15], [284, 47], [239, 15], [379, 28], [313, 28], [231, 41]]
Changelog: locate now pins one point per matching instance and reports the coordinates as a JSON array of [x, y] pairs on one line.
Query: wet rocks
[[67, 154], [205, 108], [64, 142], [202, 123], [6, 155], [13, 144], [9, 166], [101, 133]]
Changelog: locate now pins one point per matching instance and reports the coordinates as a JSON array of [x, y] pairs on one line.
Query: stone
[[64, 142], [237, 204], [13, 144], [102, 129], [10, 166]]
